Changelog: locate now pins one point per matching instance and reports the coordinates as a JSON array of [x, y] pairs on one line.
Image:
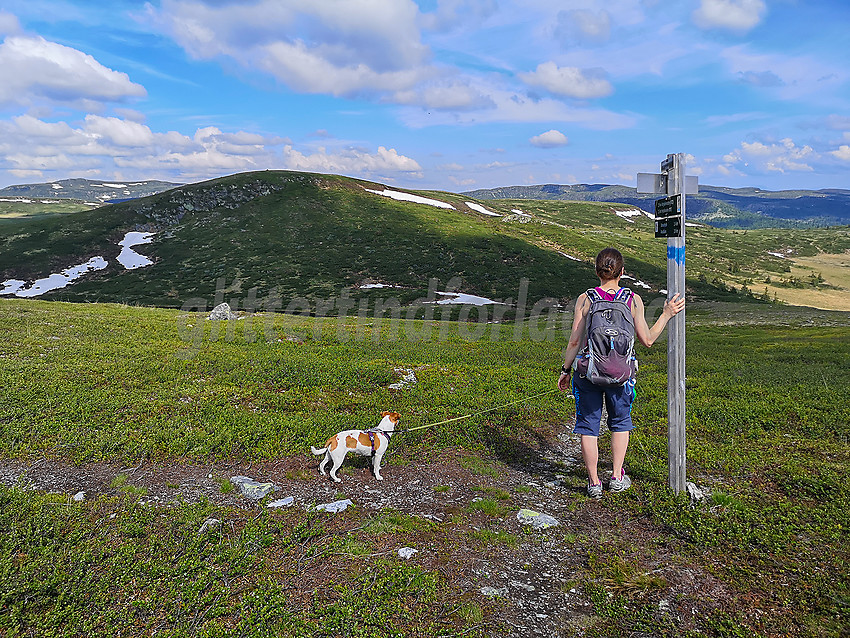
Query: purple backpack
[[608, 359]]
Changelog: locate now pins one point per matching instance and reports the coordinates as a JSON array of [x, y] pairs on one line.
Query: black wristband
[[565, 371]]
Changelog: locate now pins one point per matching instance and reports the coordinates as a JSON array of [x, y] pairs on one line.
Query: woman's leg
[[619, 445], [590, 453]]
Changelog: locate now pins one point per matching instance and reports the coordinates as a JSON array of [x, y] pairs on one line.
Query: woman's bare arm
[[647, 335]]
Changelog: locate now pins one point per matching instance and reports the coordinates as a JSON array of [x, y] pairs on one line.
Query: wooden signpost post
[[670, 223]]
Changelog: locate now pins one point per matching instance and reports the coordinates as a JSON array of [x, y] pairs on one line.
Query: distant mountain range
[[86, 190], [715, 205]]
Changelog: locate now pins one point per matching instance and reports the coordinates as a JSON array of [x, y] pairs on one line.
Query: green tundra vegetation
[[768, 425], [301, 235]]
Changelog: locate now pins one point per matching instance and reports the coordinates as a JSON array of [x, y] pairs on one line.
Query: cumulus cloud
[[842, 153], [340, 47], [735, 15], [105, 146], [569, 81], [33, 68], [352, 161], [783, 156], [9, 24], [549, 139], [445, 96]]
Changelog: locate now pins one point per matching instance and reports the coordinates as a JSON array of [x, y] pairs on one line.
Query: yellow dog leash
[[467, 416]]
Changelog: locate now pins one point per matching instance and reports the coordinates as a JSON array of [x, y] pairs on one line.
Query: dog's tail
[[318, 451]]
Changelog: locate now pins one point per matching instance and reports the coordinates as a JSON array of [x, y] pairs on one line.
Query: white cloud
[[512, 107], [783, 156], [33, 68], [843, 153], [446, 96], [549, 139], [569, 81], [352, 161], [339, 48], [9, 24], [119, 132], [736, 15], [103, 146]]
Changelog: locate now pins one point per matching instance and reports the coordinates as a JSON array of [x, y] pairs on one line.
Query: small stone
[[696, 494], [252, 489], [222, 312], [536, 519], [495, 591], [336, 506], [282, 502], [407, 552], [79, 497], [209, 525]]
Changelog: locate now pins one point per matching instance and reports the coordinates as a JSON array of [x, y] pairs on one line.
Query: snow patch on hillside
[[463, 298], [563, 254], [128, 257], [408, 197], [54, 281], [625, 214], [480, 209]]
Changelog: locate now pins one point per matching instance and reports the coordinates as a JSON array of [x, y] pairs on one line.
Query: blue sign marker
[[676, 254]]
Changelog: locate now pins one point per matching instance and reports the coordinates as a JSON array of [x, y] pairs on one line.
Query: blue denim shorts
[[589, 397]]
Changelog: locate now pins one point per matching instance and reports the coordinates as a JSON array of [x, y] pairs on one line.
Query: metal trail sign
[[670, 216]]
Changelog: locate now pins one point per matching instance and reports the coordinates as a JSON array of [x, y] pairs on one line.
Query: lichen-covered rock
[[536, 519], [252, 489], [222, 312], [336, 506]]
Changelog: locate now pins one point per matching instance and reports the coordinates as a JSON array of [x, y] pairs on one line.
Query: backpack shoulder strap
[[623, 294], [593, 294]]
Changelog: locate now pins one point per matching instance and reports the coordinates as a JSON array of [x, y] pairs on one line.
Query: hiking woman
[[618, 396]]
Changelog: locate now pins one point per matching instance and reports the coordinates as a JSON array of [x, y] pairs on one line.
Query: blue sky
[[435, 94]]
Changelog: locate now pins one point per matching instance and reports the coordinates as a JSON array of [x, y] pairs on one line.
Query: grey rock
[[222, 312], [495, 591], [252, 489], [336, 506], [209, 525], [695, 493], [79, 497], [536, 519], [408, 378], [407, 552], [282, 502]]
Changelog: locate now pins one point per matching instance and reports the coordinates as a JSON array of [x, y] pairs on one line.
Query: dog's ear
[[383, 414]]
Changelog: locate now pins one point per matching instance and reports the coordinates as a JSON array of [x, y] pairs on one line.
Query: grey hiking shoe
[[620, 484], [594, 491]]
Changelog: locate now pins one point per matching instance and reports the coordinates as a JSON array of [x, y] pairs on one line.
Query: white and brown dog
[[372, 442]]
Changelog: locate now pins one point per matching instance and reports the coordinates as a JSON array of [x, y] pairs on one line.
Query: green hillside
[[318, 236]]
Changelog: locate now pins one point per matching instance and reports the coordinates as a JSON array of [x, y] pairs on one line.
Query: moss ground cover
[[768, 435]]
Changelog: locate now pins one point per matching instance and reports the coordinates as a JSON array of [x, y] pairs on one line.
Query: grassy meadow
[[768, 426]]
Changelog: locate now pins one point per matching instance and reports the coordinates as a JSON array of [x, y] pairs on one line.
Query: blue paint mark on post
[[677, 254]]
